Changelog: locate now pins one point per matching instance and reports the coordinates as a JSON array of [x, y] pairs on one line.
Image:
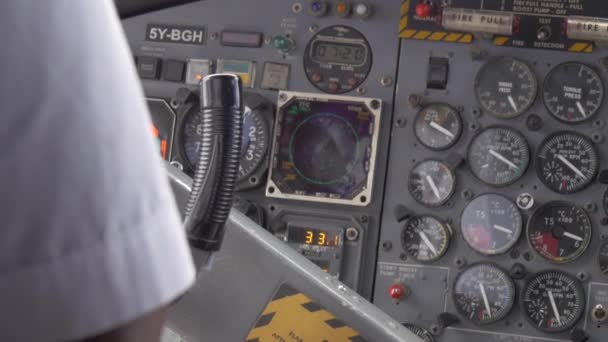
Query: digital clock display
[[328, 52], [314, 237]]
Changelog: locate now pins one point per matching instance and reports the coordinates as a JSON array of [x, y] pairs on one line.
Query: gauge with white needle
[[438, 126], [432, 183], [484, 293], [499, 156], [426, 238], [491, 224]]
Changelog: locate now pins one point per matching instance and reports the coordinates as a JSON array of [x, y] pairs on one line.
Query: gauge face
[[484, 293], [424, 334], [603, 258], [506, 87], [553, 301], [573, 92], [438, 126], [567, 162], [491, 224], [425, 238], [499, 156], [559, 231], [432, 183]]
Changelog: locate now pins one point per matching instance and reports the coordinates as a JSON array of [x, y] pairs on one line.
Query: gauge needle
[[554, 307], [433, 187], [428, 243], [441, 129], [571, 166], [573, 237], [486, 303], [502, 229], [503, 159], [512, 102], [581, 109]]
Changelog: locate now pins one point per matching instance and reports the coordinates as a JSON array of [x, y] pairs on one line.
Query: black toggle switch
[[447, 319], [148, 67], [174, 70], [437, 76]]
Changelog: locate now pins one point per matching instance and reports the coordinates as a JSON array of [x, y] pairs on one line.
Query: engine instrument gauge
[[603, 258], [499, 156], [424, 334], [491, 224], [559, 231], [573, 92], [567, 162], [438, 126], [432, 183], [484, 293], [553, 301], [426, 238], [506, 87]]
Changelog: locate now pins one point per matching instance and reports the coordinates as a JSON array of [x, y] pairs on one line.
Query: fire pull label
[[194, 35]]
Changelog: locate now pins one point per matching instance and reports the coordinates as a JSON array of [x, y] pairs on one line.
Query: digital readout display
[[328, 52], [314, 237]]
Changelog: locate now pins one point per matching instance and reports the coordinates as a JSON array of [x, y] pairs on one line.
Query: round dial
[[424, 334], [499, 156], [425, 238], [567, 162], [254, 140], [484, 293], [506, 87], [553, 301], [432, 183], [603, 258], [438, 126], [573, 92], [559, 231], [491, 224]]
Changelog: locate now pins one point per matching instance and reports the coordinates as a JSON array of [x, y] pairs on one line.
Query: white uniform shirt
[[90, 237]]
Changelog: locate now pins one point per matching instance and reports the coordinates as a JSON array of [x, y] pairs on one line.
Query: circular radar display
[[567, 162], [484, 293], [573, 92], [424, 334], [438, 126], [491, 224], [432, 183], [553, 301], [499, 156], [603, 258], [506, 87], [426, 238], [559, 231]]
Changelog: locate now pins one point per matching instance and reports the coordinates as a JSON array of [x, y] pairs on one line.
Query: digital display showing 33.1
[[327, 52], [314, 237]]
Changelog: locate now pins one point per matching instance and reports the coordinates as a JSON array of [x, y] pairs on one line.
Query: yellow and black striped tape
[[292, 316], [437, 36], [585, 47]]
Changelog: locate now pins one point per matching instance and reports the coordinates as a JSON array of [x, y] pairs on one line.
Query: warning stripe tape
[[576, 47], [450, 37]]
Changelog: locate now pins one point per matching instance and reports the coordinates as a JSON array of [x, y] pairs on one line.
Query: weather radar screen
[[324, 148]]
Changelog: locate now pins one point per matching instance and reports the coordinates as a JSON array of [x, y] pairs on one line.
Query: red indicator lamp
[[397, 291], [424, 9]]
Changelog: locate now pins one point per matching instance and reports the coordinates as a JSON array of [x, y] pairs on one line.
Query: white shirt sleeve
[[90, 236]]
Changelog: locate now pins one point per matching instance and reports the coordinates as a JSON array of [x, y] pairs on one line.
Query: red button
[[397, 291], [424, 10]]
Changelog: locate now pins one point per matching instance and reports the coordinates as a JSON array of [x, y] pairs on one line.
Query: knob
[[397, 291], [283, 44], [362, 10]]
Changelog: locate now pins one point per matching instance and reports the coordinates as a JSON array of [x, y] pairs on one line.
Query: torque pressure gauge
[[553, 301], [567, 162], [559, 231], [426, 238], [484, 293], [491, 224], [499, 156], [438, 126], [432, 183]]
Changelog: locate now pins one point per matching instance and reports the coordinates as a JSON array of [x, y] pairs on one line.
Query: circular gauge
[[438, 126], [337, 59], [559, 231], [567, 162], [324, 148], [491, 224], [553, 301], [499, 156], [432, 183], [425, 238], [506, 87], [573, 92], [603, 258], [424, 334], [484, 293], [254, 139]]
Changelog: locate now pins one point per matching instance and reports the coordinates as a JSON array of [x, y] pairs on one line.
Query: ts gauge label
[[195, 35]]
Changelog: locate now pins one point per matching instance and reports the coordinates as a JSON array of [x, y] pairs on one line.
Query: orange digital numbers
[[322, 239], [310, 236]]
